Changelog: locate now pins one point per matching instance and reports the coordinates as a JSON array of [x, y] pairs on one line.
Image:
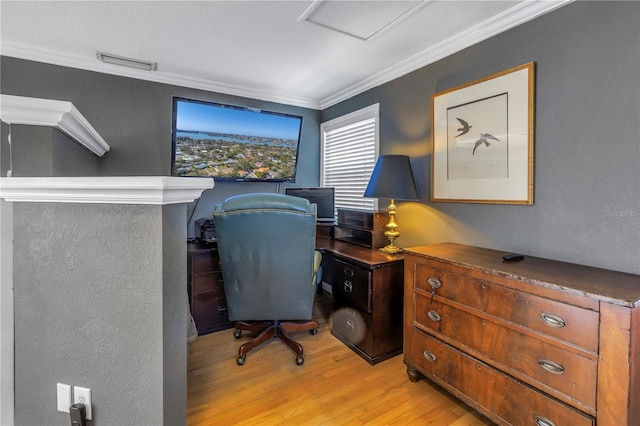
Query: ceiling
[[300, 52]]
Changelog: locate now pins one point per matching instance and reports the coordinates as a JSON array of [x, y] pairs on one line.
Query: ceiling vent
[[108, 58]]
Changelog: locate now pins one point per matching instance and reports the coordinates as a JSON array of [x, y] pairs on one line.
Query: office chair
[[266, 244]]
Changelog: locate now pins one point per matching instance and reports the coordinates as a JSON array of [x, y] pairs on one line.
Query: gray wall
[[587, 199], [100, 302], [587, 132], [46, 151], [134, 117]]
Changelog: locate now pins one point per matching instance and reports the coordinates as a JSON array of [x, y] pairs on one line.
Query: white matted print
[[482, 140]]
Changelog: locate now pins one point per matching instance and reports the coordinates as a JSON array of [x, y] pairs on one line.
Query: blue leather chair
[[270, 266]]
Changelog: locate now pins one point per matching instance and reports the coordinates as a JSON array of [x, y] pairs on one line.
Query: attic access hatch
[[364, 20]]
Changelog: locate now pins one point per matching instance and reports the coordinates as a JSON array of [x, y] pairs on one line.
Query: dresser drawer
[[352, 285], [510, 401], [540, 362], [572, 324], [205, 262], [210, 282]]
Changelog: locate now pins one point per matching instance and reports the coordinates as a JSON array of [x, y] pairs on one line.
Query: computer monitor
[[323, 197]]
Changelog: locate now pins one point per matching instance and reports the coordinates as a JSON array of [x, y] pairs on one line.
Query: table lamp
[[392, 178]]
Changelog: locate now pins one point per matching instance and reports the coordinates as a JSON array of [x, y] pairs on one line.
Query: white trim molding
[[59, 114], [522, 12], [154, 190], [65, 59], [510, 18]]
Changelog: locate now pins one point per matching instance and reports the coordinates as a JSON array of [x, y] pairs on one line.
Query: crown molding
[[148, 190], [46, 112], [508, 19], [519, 14], [24, 51]]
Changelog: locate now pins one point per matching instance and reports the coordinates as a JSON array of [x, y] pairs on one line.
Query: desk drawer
[[570, 323], [540, 362], [353, 326], [205, 262], [210, 312], [352, 284], [208, 282], [480, 384]]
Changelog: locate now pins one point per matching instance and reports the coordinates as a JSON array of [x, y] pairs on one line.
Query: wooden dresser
[[529, 342]]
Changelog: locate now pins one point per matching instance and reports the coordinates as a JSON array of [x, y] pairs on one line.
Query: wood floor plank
[[334, 386]]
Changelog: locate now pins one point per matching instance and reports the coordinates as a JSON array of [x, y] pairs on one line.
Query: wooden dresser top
[[610, 286]]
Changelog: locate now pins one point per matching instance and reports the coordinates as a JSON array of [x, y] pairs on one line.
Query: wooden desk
[[367, 295], [367, 290], [206, 288]]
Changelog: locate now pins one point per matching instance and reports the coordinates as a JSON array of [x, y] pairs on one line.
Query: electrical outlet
[[64, 397], [82, 396]]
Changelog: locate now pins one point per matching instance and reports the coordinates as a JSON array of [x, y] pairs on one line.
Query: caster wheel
[[241, 360], [314, 331], [237, 334], [299, 360]]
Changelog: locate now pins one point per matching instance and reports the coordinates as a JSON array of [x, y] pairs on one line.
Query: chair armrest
[[317, 269]]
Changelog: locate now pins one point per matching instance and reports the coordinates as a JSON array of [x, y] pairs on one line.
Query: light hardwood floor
[[333, 387]]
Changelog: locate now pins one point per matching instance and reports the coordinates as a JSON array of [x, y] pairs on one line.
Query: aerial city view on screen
[[234, 143]]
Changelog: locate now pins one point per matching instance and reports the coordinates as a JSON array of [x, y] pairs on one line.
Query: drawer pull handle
[[219, 265], [220, 281], [222, 310], [552, 367], [429, 356], [434, 316], [348, 272], [351, 325], [543, 421], [552, 320], [348, 287], [434, 283]]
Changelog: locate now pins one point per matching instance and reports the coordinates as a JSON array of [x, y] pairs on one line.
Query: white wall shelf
[[59, 114]]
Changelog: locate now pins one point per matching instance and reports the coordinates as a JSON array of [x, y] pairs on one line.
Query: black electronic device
[[323, 197], [78, 415], [205, 230], [234, 143], [512, 257]]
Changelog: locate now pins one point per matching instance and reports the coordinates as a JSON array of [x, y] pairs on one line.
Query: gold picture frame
[[482, 140]]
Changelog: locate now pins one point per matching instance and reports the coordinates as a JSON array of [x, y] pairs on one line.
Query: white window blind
[[349, 154]]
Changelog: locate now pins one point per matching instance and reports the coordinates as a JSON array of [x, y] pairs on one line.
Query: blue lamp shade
[[392, 178]]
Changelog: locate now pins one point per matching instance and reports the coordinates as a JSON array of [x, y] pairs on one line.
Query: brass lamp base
[[392, 232], [391, 249]]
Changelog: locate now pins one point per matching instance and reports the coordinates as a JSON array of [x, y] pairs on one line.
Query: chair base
[[273, 329]]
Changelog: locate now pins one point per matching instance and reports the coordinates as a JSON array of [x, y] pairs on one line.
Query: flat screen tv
[[324, 198], [232, 143]]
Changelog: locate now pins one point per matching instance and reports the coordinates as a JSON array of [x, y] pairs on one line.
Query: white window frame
[[346, 200]]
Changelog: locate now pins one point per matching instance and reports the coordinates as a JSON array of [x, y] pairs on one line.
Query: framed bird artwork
[[482, 140]]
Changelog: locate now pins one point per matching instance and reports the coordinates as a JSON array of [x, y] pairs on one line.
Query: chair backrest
[[266, 244]]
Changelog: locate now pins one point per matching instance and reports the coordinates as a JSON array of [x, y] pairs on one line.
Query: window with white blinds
[[349, 154]]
